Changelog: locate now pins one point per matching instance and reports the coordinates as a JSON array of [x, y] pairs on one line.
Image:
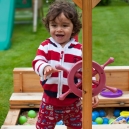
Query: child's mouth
[[59, 35]]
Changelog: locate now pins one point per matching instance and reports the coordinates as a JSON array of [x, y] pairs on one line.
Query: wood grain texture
[[115, 126], [32, 100], [12, 117], [26, 80], [30, 97], [79, 3], [25, 100], [87, 64], [116, 76]]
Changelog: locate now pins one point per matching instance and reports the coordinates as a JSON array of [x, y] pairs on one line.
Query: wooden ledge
[[116, 126], [122, 101], [25, 100], [12, 117], [33, 100]]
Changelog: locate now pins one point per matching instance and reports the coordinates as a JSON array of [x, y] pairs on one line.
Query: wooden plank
[[117, 76], [122, 101], [29, 82], [25, 100], [116, 126], [114, 75], [123, 98], [79, 3], [117, 79], [32, 100], [87, 64], [12, 117], [26, 80], [113, 105], [24, 69], [116, 68], [107, 68]]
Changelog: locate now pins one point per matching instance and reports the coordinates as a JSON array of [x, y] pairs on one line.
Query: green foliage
[[110, 2], [104, 2], [126, 1]]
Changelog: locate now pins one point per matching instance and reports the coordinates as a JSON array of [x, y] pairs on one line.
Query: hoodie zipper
[[60, 75]]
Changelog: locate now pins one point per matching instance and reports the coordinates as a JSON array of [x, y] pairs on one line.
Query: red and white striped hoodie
[[51, 53]]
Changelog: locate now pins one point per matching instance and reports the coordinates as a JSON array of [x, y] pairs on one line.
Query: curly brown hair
[[70, 12]]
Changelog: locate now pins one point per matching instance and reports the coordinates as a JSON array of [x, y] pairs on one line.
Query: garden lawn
[[21, 54], [110, 30], [110, 39]]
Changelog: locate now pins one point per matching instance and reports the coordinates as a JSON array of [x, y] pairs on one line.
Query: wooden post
[[79, 3], [86, 6], [87, 64]]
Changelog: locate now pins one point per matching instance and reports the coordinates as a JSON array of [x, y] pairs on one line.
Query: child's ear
[[73, 32]]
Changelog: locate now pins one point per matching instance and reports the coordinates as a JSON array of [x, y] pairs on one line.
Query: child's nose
[[59, 28]]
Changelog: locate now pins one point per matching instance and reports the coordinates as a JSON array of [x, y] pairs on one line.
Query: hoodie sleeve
[[41, 59]]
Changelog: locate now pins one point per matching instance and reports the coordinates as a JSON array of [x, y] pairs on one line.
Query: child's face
[[61, 29]]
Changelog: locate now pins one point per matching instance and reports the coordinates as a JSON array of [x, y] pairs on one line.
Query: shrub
[[104, 2]]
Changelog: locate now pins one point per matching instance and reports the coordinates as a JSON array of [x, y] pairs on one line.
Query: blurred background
[[22, 30]]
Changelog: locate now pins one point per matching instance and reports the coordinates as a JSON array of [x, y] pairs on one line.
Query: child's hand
[[95, 101], [48, 70]]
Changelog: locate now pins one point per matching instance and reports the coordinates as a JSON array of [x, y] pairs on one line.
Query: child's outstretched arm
[[49, 70], [95, 101]]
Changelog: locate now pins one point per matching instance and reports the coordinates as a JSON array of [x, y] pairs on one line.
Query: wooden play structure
[[28, 94], [86, 6], [28, 91]]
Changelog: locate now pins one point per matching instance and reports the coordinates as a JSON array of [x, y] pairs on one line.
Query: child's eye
[[65, 25], [53, 25]]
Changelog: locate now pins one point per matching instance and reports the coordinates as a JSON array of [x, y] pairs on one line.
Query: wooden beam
[[12, 117], [25, 100], [87, 64], [79, 3], [115, 126], [95, 2]]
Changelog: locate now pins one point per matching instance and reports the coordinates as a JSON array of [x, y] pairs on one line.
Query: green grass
[[111, 34], [110, 38], [21, 54], [110, 29]]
